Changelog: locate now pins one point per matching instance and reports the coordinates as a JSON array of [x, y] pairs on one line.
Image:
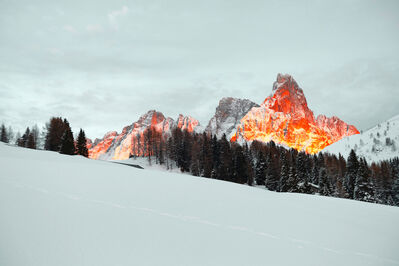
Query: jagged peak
[[286, 81], [151, 117], [109, 134], [187, 123]]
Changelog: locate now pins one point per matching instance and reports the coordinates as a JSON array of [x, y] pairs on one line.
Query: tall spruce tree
[[240, 167], [284, 174], [67, 141], [352, 168], [302, 173], [81, 144], [56, 129], [292, 182], [395, 191], [23, 141], [224, 171], [260, 169], [31, 142], [272, 172], [3, 134], [363, 189], [325, 188]]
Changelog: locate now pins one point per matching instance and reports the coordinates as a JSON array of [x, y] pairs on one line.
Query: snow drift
[[64, 210]]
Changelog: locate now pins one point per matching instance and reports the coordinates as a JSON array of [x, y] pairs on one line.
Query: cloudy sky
[[102, 63]]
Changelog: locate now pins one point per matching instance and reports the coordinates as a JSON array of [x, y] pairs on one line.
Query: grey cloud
[[183, 56]]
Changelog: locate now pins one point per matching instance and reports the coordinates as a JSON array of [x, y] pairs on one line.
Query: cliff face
[[285, 118], [228, 115], [114, 146]]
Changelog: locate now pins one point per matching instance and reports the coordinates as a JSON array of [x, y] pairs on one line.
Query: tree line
[[55, 136], [273, 167]]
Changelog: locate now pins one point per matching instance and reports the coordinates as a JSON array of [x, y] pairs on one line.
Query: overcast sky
[[102, 63]]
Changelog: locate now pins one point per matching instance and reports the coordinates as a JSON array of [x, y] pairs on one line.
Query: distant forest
[[256, 164]]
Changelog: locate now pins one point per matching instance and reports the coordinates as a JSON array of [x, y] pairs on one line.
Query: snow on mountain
[[285, 118], [68, 210], [378, 143], [120, 146], [228, 115]]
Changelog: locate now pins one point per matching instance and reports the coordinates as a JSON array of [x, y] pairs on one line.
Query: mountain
[[228, 115], [102, 213], [378, 143], [116, 146], [285, 118]]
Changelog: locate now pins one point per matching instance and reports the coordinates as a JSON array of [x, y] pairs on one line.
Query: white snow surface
[[69, 210], [371, 144]]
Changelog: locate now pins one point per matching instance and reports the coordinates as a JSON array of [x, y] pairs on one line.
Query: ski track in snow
[[194, 219]]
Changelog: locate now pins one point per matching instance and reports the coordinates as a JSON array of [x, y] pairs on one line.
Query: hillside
[[378, 143], [63, 210]]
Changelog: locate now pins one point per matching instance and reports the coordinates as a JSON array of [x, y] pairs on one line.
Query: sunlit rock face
[[285, 118], [228, 115], [100, 146], [187, 123], [130, 141]]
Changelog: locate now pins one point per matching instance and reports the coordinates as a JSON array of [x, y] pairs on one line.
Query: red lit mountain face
[[121, 146], [285, 118]]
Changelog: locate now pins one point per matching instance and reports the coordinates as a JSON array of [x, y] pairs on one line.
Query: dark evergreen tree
[[81, 144], [216, 156], [292, 182], [4, 134], [363, 190], [30, 142], [206, 156], [352, 168], [302, 173], [23, 141], [324, 183], [395, 191], [240, 168], [284, 174], [272, 172], [67, 141], [54, 135], [224, 171], [260, 169]]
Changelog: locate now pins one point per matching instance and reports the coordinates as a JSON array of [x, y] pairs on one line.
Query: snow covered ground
[[378, 143], [63, 210]]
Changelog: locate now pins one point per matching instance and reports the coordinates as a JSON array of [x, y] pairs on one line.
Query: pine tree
[[56, 129], [284, 174], [272, 173], [67, 141], [352, 168], [224, 171], [302, 174], [30, 142], [260, 169], [23, 141], [81, 145], [363, 189], [292, 182], [324, 183], [4, 134], [206, 156], [395, 191], [240, 168]]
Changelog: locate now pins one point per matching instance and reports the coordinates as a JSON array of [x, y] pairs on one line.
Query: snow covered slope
[[62, 210], [378, 143]]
